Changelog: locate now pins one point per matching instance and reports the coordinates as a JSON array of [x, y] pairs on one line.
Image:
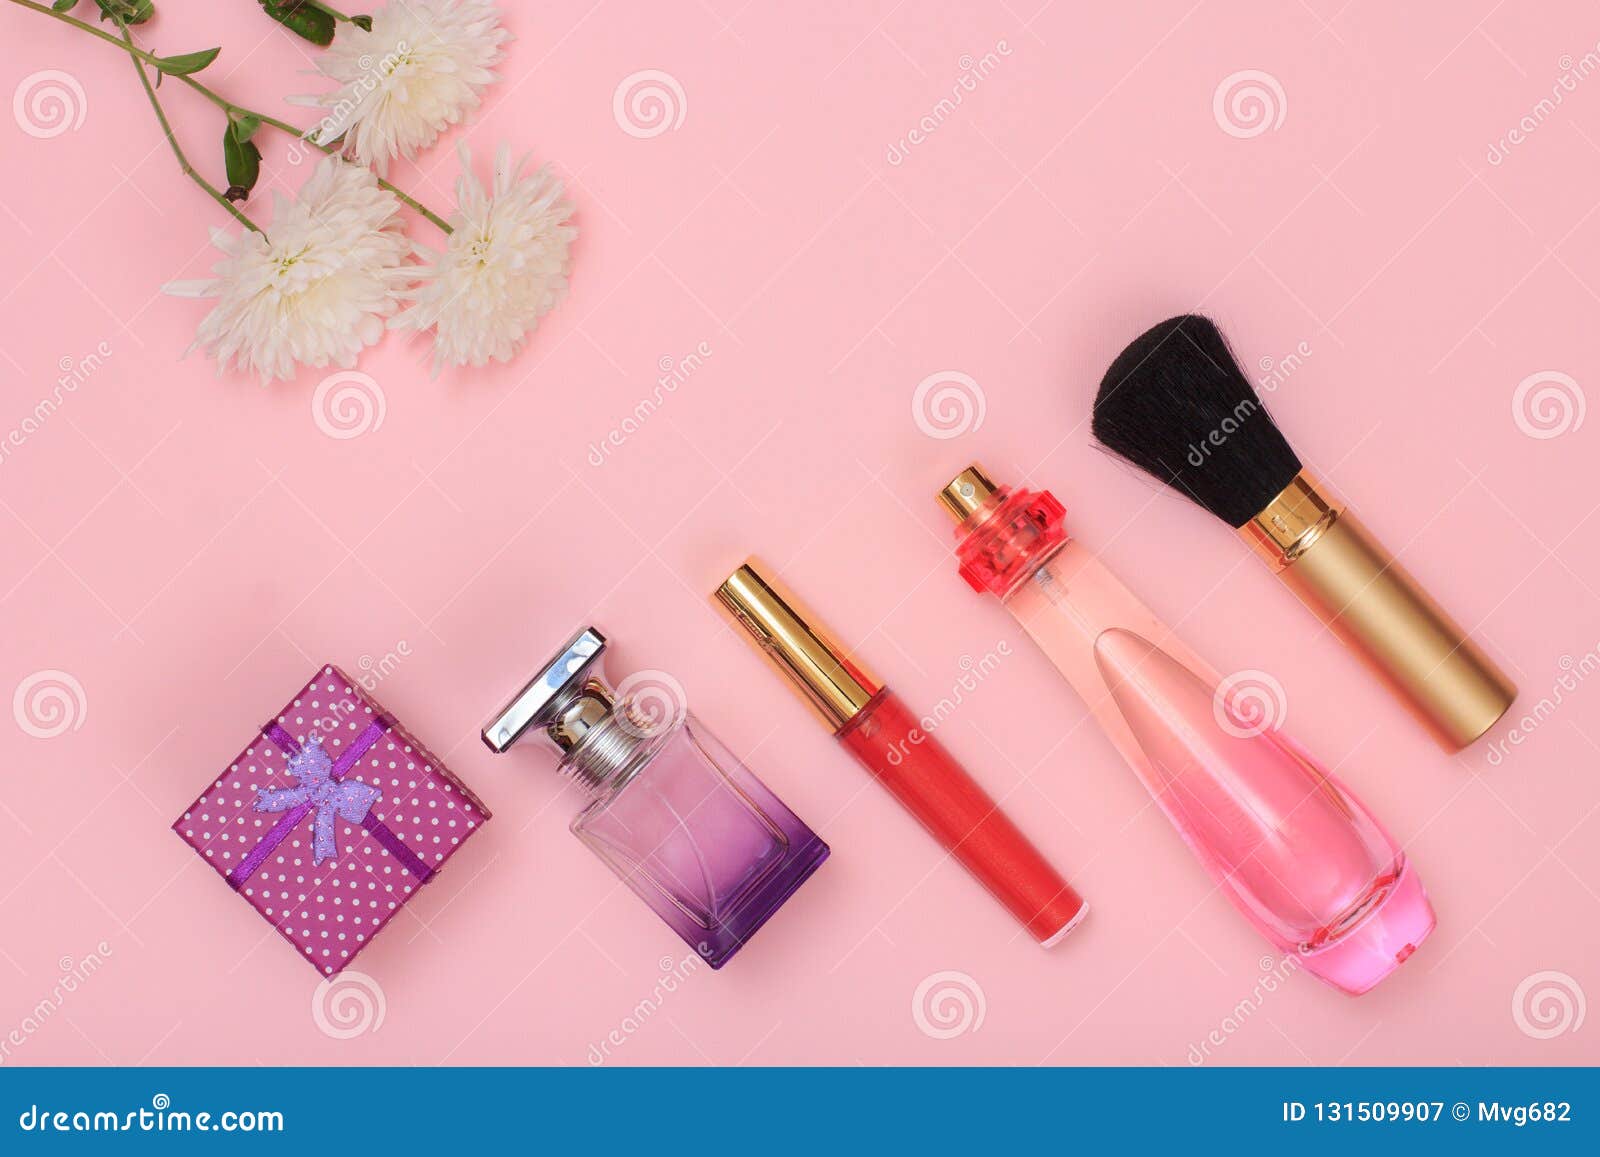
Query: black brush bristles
[[1176, 404]]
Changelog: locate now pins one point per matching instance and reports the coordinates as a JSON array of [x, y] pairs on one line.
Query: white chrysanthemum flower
[[315, 289], [503, 268], [422, 68]]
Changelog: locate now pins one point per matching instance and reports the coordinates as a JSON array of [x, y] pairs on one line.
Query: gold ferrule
[[966, 492], [1368, 599], [833, 683], [1291, 523]]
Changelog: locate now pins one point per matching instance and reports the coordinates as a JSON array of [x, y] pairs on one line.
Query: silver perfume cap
[[567, 698], [570, 703]]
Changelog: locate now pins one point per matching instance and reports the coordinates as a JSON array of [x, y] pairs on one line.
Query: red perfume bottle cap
[[1003, 533]]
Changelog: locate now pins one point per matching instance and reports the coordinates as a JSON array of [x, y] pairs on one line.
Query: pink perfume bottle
[[1299, 855], [670, 810]]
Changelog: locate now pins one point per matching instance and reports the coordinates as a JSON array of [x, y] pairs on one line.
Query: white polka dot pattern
[[329, 913]]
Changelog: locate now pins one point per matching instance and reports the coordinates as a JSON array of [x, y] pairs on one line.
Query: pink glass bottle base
[[1382, 942]]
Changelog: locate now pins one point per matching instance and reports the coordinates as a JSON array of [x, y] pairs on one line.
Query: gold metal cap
[[1292, 522], [837, 686], [965, 493]]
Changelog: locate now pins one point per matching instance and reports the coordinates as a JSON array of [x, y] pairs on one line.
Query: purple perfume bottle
[[678, 818]]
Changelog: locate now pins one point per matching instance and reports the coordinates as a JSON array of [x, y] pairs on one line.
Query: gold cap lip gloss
[[1369, 601], [898, 749], [835, 685]]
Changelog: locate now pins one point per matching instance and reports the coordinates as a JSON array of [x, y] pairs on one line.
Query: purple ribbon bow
[[330, 799], [322, 791]]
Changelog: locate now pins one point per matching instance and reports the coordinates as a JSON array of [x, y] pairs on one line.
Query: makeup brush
[[1176, 404]]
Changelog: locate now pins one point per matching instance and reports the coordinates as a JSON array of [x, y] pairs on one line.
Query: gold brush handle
[[1355, 586]]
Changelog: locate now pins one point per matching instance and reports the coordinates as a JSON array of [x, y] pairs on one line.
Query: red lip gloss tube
[[891, 743]]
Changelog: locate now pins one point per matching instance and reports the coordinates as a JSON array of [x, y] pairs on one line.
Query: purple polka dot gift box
[[330, 819]]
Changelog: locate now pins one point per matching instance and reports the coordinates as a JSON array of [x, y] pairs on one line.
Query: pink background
[[188, 548]]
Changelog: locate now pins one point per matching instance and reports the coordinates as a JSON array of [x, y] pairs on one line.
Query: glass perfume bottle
[[1291, 846], [679, 820]]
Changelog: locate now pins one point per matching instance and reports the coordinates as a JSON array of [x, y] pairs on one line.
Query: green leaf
[[314, 24], [126, 11], [64, 5], [243, 125], [243, 162], [186, 63], [362, 22]]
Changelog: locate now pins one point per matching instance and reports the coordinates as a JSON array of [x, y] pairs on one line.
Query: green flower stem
[[148, 58], [286, 127], [177, 150], [228, 107]]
